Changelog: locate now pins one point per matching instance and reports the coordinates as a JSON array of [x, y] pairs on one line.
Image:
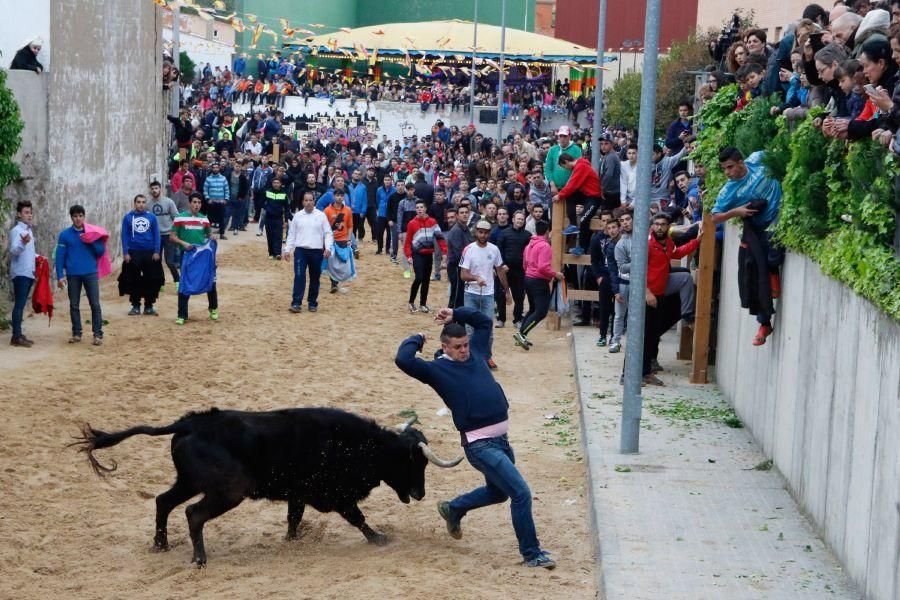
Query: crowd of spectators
[[844, 59]]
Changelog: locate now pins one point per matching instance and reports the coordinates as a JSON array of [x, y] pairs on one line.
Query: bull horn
[[404, 426], [434, 459]]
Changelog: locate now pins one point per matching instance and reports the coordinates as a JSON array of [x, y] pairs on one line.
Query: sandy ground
[[68, 534]]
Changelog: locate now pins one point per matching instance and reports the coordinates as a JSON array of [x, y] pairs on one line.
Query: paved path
[[689, 517]]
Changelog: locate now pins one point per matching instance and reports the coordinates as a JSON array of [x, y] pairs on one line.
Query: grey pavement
[[690, 517]]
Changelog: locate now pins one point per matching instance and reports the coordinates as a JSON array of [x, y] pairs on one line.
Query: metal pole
[[176, 56], [472, 78], [620, 63], [500, 76], [525, 28], [632, 401], [598, 89]]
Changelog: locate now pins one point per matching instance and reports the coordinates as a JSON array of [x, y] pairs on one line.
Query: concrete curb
[[585, 449]]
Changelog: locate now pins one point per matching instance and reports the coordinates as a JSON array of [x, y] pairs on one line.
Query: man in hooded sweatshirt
[[423, 234], [142, 270]]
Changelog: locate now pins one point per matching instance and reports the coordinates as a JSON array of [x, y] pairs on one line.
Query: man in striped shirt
[[217, 193], [191, 228]]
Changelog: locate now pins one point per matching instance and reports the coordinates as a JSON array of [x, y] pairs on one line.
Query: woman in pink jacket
[[538, 275]]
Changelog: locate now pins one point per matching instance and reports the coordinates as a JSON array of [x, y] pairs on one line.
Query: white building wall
[[20, 22]]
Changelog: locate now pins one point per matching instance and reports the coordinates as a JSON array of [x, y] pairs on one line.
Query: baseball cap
[[605, 137], [483, 225], [564, 130]]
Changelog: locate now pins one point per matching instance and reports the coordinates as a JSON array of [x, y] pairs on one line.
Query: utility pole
[[472, 78], [632, 401], [500, 77], [176, 56], [598, 90]]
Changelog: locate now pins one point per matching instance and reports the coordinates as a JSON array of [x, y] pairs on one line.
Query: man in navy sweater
[[462, 379]]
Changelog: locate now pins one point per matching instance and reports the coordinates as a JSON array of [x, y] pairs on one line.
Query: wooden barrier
[[704, 302]]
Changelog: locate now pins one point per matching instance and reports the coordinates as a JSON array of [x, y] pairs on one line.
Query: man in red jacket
[[422, 233], [666, 291], [583, 188]]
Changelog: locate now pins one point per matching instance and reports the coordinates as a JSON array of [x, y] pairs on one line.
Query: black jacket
[[25, 60], [393, 205], [457, 238], [511, 243]]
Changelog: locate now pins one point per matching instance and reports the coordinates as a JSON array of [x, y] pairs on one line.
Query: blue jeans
[[307, 259], [494, 458], [21, 287], [91, 285], [483, 303]]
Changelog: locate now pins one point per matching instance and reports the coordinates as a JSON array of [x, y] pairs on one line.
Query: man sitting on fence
[[753, 196]]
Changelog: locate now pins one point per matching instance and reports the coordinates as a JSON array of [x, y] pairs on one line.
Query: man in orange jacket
[[340, 217]]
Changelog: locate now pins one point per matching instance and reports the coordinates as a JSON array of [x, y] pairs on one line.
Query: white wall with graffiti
[[393, 119]]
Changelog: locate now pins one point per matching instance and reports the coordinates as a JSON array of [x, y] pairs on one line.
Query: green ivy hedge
[[840, 200], [10, 138]]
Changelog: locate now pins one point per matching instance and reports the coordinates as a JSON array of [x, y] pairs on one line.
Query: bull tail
[[92, 439]]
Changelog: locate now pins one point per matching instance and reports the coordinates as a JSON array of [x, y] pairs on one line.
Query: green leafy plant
[[839, 200], [187, 67], [10, 138]]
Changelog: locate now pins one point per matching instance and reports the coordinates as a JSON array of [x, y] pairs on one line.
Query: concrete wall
[[822, 398], [105, 110], [396, 119], [22, 21], [771, 15], [94, 124]]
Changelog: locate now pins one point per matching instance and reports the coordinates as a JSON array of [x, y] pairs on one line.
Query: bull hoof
[[200, 562], [379, 539], [160, 543], [290, 536]]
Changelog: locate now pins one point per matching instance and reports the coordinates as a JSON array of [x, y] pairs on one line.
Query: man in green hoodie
[[557, 176]]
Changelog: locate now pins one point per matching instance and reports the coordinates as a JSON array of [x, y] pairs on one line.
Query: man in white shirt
[[21, 268], [628, 175], [310, 239], [253, 146], [480, 260]]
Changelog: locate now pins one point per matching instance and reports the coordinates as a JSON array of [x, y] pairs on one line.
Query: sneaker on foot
[[377, 252], [407, 274], [75, 339], [521, 341], [412, 308], [162, 289], [179, 321], [764, 332], [176, 287], [135, 310], [424, 309], [602, 341], [259, 234], [98, 341], [614, 347], [394, 261], [436, 277], [652, 379], [333, 289], [356, 254], [214, 314], [295, 308], [453, 526], [313, 309], [500, 324], [222, 237], [21, 341], [571, 230], [541, 560], [150, 311]]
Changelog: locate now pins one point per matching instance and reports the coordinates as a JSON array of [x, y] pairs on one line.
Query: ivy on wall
[[840, 200], [10, 138]]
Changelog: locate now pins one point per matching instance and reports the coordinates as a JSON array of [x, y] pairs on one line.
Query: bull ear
[[404, 426]]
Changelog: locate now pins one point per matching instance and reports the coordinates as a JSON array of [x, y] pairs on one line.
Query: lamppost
[[637, 48], [472, 76]]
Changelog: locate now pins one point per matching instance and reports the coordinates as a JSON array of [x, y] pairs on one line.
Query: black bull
[[323, 457]]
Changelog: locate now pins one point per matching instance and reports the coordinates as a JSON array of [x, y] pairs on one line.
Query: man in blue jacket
[[382, 234], [141, 269], [462, 379], [76, 267]]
